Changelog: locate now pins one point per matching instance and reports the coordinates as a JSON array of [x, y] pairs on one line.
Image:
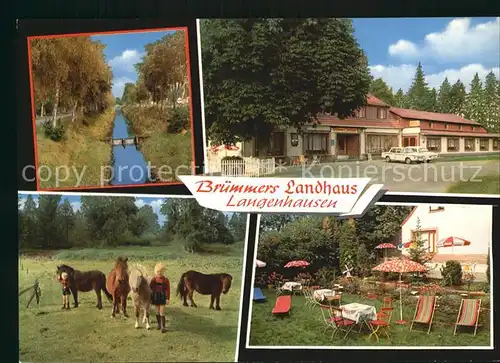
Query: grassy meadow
[[49, 334], [489, 184], [161, 147], [304, 326], [83, 146]]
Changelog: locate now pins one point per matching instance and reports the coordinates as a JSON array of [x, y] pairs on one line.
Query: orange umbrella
[[300, 263], [401, 265]]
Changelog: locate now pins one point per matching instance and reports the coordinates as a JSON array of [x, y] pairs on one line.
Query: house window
[[381, 113], [361, 112], [460, 127], [473, 128], [434, 143], [431, 125], [436, 209], [453, 144], [294, 139], [470, 144], [446, 126], [376, 144], [495, 144], [483, 144], [316, 143]]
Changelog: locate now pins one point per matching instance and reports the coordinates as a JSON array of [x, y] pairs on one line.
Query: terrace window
[[434, 144], [316, 143], [483, 144], [381, 113], [453, 144], [446, 126], [431, 125], [470, 144], [495, 144], [460, 127]]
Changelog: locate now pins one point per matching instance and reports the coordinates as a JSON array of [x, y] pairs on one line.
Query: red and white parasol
[[299, 263], [259, 263], [453, 242], [400, 265], [385, 247]]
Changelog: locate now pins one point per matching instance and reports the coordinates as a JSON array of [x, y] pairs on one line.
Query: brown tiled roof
[[431, 116], [353, 122], [460, 133], [374, 101]]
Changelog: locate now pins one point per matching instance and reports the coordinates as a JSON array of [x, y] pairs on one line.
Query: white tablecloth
[[321, 294], [290, 285], [359, 312]]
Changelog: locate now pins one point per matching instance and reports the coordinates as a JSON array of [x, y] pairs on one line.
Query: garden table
[[321, 294], [360, 313], [291, 285]]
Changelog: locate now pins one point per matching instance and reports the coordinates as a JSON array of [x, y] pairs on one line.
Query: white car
[[428, 155], [407, 155]]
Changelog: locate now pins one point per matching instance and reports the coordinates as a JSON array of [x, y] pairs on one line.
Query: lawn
[[489, 184], [83, 151], [171, 151], [495, 157], [304, 327], [49, 334]]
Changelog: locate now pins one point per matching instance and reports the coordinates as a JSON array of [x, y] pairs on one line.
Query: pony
[[84, 282], [118, 285], [213, 285], [141, 293]]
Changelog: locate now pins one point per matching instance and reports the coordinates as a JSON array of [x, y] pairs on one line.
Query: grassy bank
[[489, 184], [495, 156], [161, 148], [80, 156], [304, 326], [193, 334]]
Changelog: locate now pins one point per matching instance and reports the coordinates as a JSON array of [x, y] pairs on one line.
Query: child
[[65, 290], [160, 286]]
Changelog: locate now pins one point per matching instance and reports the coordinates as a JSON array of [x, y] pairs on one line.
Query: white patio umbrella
[[259, 263]]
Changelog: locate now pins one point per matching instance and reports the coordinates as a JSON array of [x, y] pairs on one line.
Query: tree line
[[480, 104], [162, 74], [101, 221], [327, 243], [265, 74], [70, 74]]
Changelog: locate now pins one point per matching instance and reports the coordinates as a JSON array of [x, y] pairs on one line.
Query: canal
[[129, 165]]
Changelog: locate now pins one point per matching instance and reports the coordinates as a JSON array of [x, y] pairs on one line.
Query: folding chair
[[468, 315], [328, 318], [309, 301], [341, 324], [258, 296], [424, 312], [278, 289], [283, 305], [382, 323]]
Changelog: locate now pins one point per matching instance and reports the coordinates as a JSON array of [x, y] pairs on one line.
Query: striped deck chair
[[468, 315], [424, 312]]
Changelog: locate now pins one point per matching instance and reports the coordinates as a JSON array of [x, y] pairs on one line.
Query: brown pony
[[213, 285], [84, 282], [118, 285]]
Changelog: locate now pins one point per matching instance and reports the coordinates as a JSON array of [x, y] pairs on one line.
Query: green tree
[[263, 74], [275, 222], [382, 91], [129, 96], [417, 250], [48, 221], [433, 102], [237, 225], [66, 219], [145, 222], [474, 108], [28, 225], [419, 96], [492, 103], [399, 99], [348, 244], [444, 97], [457, 98]]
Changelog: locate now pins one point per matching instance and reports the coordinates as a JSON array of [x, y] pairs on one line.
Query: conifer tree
[[444, 101], [492, 103], [399, 99], [474, 102], [457, 98], [419, 95]]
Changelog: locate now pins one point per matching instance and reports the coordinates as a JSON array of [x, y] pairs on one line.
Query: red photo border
[[33, 115]]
